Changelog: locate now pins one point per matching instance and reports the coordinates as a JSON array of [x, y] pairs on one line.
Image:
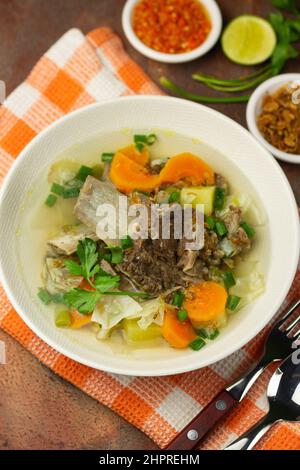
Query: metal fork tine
[[297, 334], [291, 326], [288, 313]]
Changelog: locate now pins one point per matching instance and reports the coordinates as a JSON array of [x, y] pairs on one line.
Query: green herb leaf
[[106, 283], [83, 300], [44, 296], [88, 256], [126, 242], [116, 254], [74, 268], [289, 5]]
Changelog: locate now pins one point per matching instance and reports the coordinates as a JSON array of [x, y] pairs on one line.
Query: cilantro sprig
[[99, 280]]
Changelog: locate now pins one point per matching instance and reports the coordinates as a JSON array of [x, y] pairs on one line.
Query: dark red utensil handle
[[203, 422]]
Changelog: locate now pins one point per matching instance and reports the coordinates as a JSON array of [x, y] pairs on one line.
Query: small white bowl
[[216, 22], [254, 109]]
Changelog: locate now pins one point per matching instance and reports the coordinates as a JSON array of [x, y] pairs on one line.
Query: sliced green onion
[[197, 344], [44, 296], [83, 173], [70, 193], [141, 192], [221, 228], [57, 189], [249, 230], [219, 199], [139, 146], [51, 200], [207, 333], [144, 139], [178, 299], [174, 196], [116, 254], [182, 315], [58, 298], [97, 171], [151, 139], [211, 222], [232, 302], [107, 157], [166, 83], [126, 242], [229, 280], [63, 318], [140, 138]]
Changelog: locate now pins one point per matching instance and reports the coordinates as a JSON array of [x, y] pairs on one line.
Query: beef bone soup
[[144, 288]]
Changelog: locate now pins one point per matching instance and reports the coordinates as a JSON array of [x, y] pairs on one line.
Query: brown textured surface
[[37, 409]]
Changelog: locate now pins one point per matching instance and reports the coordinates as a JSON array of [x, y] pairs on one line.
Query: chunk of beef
[[151, 264], [233, 219], [66, 243]]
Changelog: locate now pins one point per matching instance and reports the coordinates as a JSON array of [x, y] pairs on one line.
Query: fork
[[278, 345]]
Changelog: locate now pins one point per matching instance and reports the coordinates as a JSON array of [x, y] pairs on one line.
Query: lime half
[[248, 40]]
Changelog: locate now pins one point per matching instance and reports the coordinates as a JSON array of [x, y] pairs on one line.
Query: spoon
[[284, 399]]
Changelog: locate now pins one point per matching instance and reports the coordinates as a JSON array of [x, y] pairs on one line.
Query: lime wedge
[[248, 40]]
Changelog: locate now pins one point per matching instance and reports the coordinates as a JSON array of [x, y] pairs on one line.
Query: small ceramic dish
[[216, 20], [254, 109]]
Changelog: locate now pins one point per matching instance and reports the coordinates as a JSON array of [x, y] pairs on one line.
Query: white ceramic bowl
[[231, 150], [216, 21], [254, 109]]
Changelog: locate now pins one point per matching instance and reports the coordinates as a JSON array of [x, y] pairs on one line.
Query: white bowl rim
[[216, 21], [240, 342], [255, 100]]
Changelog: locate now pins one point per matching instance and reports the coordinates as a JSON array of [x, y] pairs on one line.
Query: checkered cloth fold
[[76, 71]]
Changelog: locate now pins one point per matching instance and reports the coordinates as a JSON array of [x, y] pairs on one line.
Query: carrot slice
[[187, 166], [79, 320], [142, 158], [205, 302], [128, 175], [178, 334]]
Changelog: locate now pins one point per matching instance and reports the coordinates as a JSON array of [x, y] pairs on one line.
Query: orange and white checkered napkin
[[76, 71]]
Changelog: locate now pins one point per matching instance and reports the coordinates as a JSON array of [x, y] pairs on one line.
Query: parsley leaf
[[106, 282], [83, 300], [88, 256]]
